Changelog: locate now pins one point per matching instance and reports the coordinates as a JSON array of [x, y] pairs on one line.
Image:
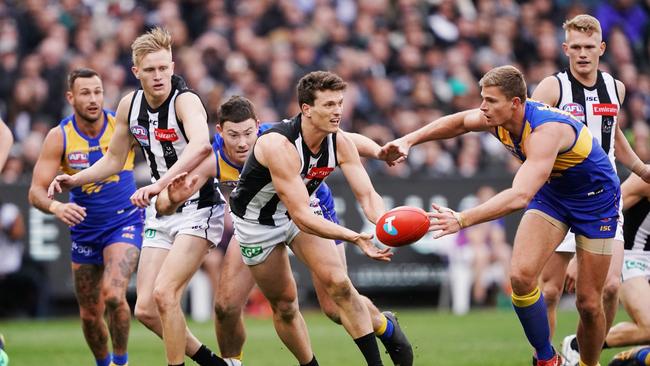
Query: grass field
[[481, 338]]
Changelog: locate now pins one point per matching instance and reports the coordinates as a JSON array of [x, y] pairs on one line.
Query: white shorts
[[635, 264], [568, 245], [257, 241], [206, 222]]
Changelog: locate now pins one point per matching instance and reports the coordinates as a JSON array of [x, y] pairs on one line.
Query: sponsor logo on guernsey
[[318, 173], [388, 226], [78, 160], [140, 134], [163, 134], [605, 109], [150, 233], [575, 109], [250, 252]]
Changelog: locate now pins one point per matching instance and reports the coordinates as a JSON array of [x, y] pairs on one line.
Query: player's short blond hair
[[583, 23], [509, 79], [154, 40]]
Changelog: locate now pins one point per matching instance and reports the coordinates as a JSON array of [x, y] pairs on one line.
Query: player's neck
[[156, 101], [312, 136], [514, 126], [90, 129], [588, 79]]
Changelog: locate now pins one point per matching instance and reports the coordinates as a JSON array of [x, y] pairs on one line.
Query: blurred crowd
[[406, 62]]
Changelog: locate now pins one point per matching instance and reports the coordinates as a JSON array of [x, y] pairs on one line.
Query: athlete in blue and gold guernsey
[[105, 227], [565, 182]]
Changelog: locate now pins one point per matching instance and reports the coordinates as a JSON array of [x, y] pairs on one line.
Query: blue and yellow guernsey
[[102, 200], [581, 169], [583, 189]]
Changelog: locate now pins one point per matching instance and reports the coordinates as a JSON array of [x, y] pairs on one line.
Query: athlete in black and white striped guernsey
[[272, 209], [257, 199], [170, 124], [594, 97], [635, 290]]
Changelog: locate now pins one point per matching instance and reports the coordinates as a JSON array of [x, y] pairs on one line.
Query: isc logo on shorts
[[250, 252]]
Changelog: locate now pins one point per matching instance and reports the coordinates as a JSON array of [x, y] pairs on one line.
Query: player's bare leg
[[589, 301], [182, 261], [88, 290], [537, 236], [634, 294], [120, 260], [552, 284], [613, 283], [235, 284], [145, 307], [276, 281]]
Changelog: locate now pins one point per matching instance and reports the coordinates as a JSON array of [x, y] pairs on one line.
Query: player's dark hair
[[82, 72], [315, 81], [236, 109]]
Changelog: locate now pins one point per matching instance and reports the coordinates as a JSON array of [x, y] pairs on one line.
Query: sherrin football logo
[[388, 226]]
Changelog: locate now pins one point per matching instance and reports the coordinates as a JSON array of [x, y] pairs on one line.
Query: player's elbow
[[521, 199], [31, 196], [301, 219], [203, 149]]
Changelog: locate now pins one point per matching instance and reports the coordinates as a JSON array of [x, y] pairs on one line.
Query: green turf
[[480, 338]]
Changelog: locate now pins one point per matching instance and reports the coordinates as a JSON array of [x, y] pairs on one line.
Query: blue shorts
[[593, 215], [330, 214], [88, 244]]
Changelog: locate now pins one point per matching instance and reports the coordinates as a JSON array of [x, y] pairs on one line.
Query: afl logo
[[575, 109], [140, 134], [78, 160]]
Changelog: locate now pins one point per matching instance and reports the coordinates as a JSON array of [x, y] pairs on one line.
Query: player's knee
[[611, 288], [339, 288], [145, 314], [90, 314], [332, 312], [552, 293], [224, 310], [589, 306], [285, 310], [114, 299], [522, 281], [165, 298]]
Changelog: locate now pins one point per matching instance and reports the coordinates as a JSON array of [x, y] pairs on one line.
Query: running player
[[169, 122], [565, 182], [272, 210], [593, 97], [105, 227], [238, 129]]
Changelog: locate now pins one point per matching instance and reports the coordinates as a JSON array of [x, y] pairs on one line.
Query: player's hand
[[70, 213], [142, 197], [444, 221], [364, 241], [570, 278], [181, 188], [394, 152], [60, 183]]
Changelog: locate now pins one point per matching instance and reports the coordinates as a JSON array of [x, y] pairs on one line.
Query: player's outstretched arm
[[542, 148], [357, 177], [633, 190], [443, 128], [275, 152], [113, 160], [184, 185], [45, 170], [6, 140], [192, 114]]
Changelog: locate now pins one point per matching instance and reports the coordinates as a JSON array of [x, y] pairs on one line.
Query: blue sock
[[388, 332], [642, 356], [121, 359], [531, 311], [105, 362]]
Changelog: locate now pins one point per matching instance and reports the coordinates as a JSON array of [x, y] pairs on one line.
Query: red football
[[402, 226]]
